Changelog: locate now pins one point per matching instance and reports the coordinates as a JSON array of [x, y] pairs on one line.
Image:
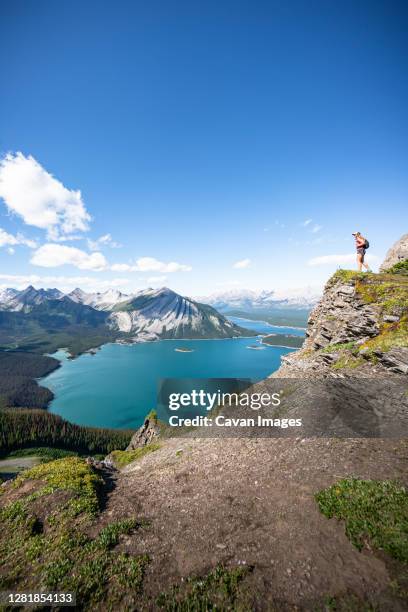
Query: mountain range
[[42, 319], [247, 300]]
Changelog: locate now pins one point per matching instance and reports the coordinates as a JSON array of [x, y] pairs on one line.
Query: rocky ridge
[[359, 327]]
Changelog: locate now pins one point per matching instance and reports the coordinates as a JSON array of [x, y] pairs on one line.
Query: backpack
[[366, 244]]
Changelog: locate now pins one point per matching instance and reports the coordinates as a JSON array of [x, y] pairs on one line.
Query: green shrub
[[399, 268]]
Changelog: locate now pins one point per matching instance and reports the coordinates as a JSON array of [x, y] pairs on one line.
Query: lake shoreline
[[63, 354], [118, 386], [270, 324]]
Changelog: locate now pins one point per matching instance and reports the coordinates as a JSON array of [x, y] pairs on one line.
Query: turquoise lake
[[117, 386]]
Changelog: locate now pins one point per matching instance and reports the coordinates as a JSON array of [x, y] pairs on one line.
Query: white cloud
[[122, 268], [63, 283], [339, 260], [307, 222], [242, 264], [150, 264], [316, 228], [230, 283], [7, 239], [105, 240], [11, 251], [156, 279], [40, 199], [55, 255]]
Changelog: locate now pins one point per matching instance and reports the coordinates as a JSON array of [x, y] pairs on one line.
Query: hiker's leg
[[363, 262], [359, 261]]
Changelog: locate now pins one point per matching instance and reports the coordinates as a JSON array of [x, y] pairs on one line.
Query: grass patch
[[91, 569], [347, 276], [389, 293], [48, 547], [347, 603], [374, 511], [334, 348], [349, 357], [218, 590], [109, 536], [69, 474], [123, 458], [391, 335], [348, 360]]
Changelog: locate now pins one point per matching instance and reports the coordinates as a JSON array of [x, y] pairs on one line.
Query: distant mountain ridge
[[100, 301], [245, 299], [13, 300], [34, 315]]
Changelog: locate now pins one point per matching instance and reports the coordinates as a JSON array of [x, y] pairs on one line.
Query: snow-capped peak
[[304, 297]]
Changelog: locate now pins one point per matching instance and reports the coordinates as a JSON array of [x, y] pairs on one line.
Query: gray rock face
[[398, 252], [340, 317], [341, 323], [396, 360], [145, 434]]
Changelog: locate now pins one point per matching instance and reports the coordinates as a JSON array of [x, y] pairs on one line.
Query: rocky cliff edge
[[359, 328]]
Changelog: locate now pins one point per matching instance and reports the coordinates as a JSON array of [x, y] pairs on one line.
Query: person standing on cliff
[[362, 245]]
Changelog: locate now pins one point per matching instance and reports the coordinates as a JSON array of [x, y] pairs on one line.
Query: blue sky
[[216, 146]]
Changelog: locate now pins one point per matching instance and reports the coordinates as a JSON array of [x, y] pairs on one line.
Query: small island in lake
[[256, 347], [184, 350]]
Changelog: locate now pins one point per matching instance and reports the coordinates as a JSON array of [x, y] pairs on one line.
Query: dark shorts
[[361, 251]]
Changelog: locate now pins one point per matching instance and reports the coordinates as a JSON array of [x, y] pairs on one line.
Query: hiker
[[362, 245]]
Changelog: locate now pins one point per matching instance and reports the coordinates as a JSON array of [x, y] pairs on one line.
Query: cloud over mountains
[[41, 200]]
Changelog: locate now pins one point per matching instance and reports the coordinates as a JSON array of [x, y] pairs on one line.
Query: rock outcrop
[[397, 253], [146, 433], [360, 327]]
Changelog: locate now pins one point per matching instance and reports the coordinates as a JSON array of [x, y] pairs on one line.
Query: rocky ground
[[251, 503]]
